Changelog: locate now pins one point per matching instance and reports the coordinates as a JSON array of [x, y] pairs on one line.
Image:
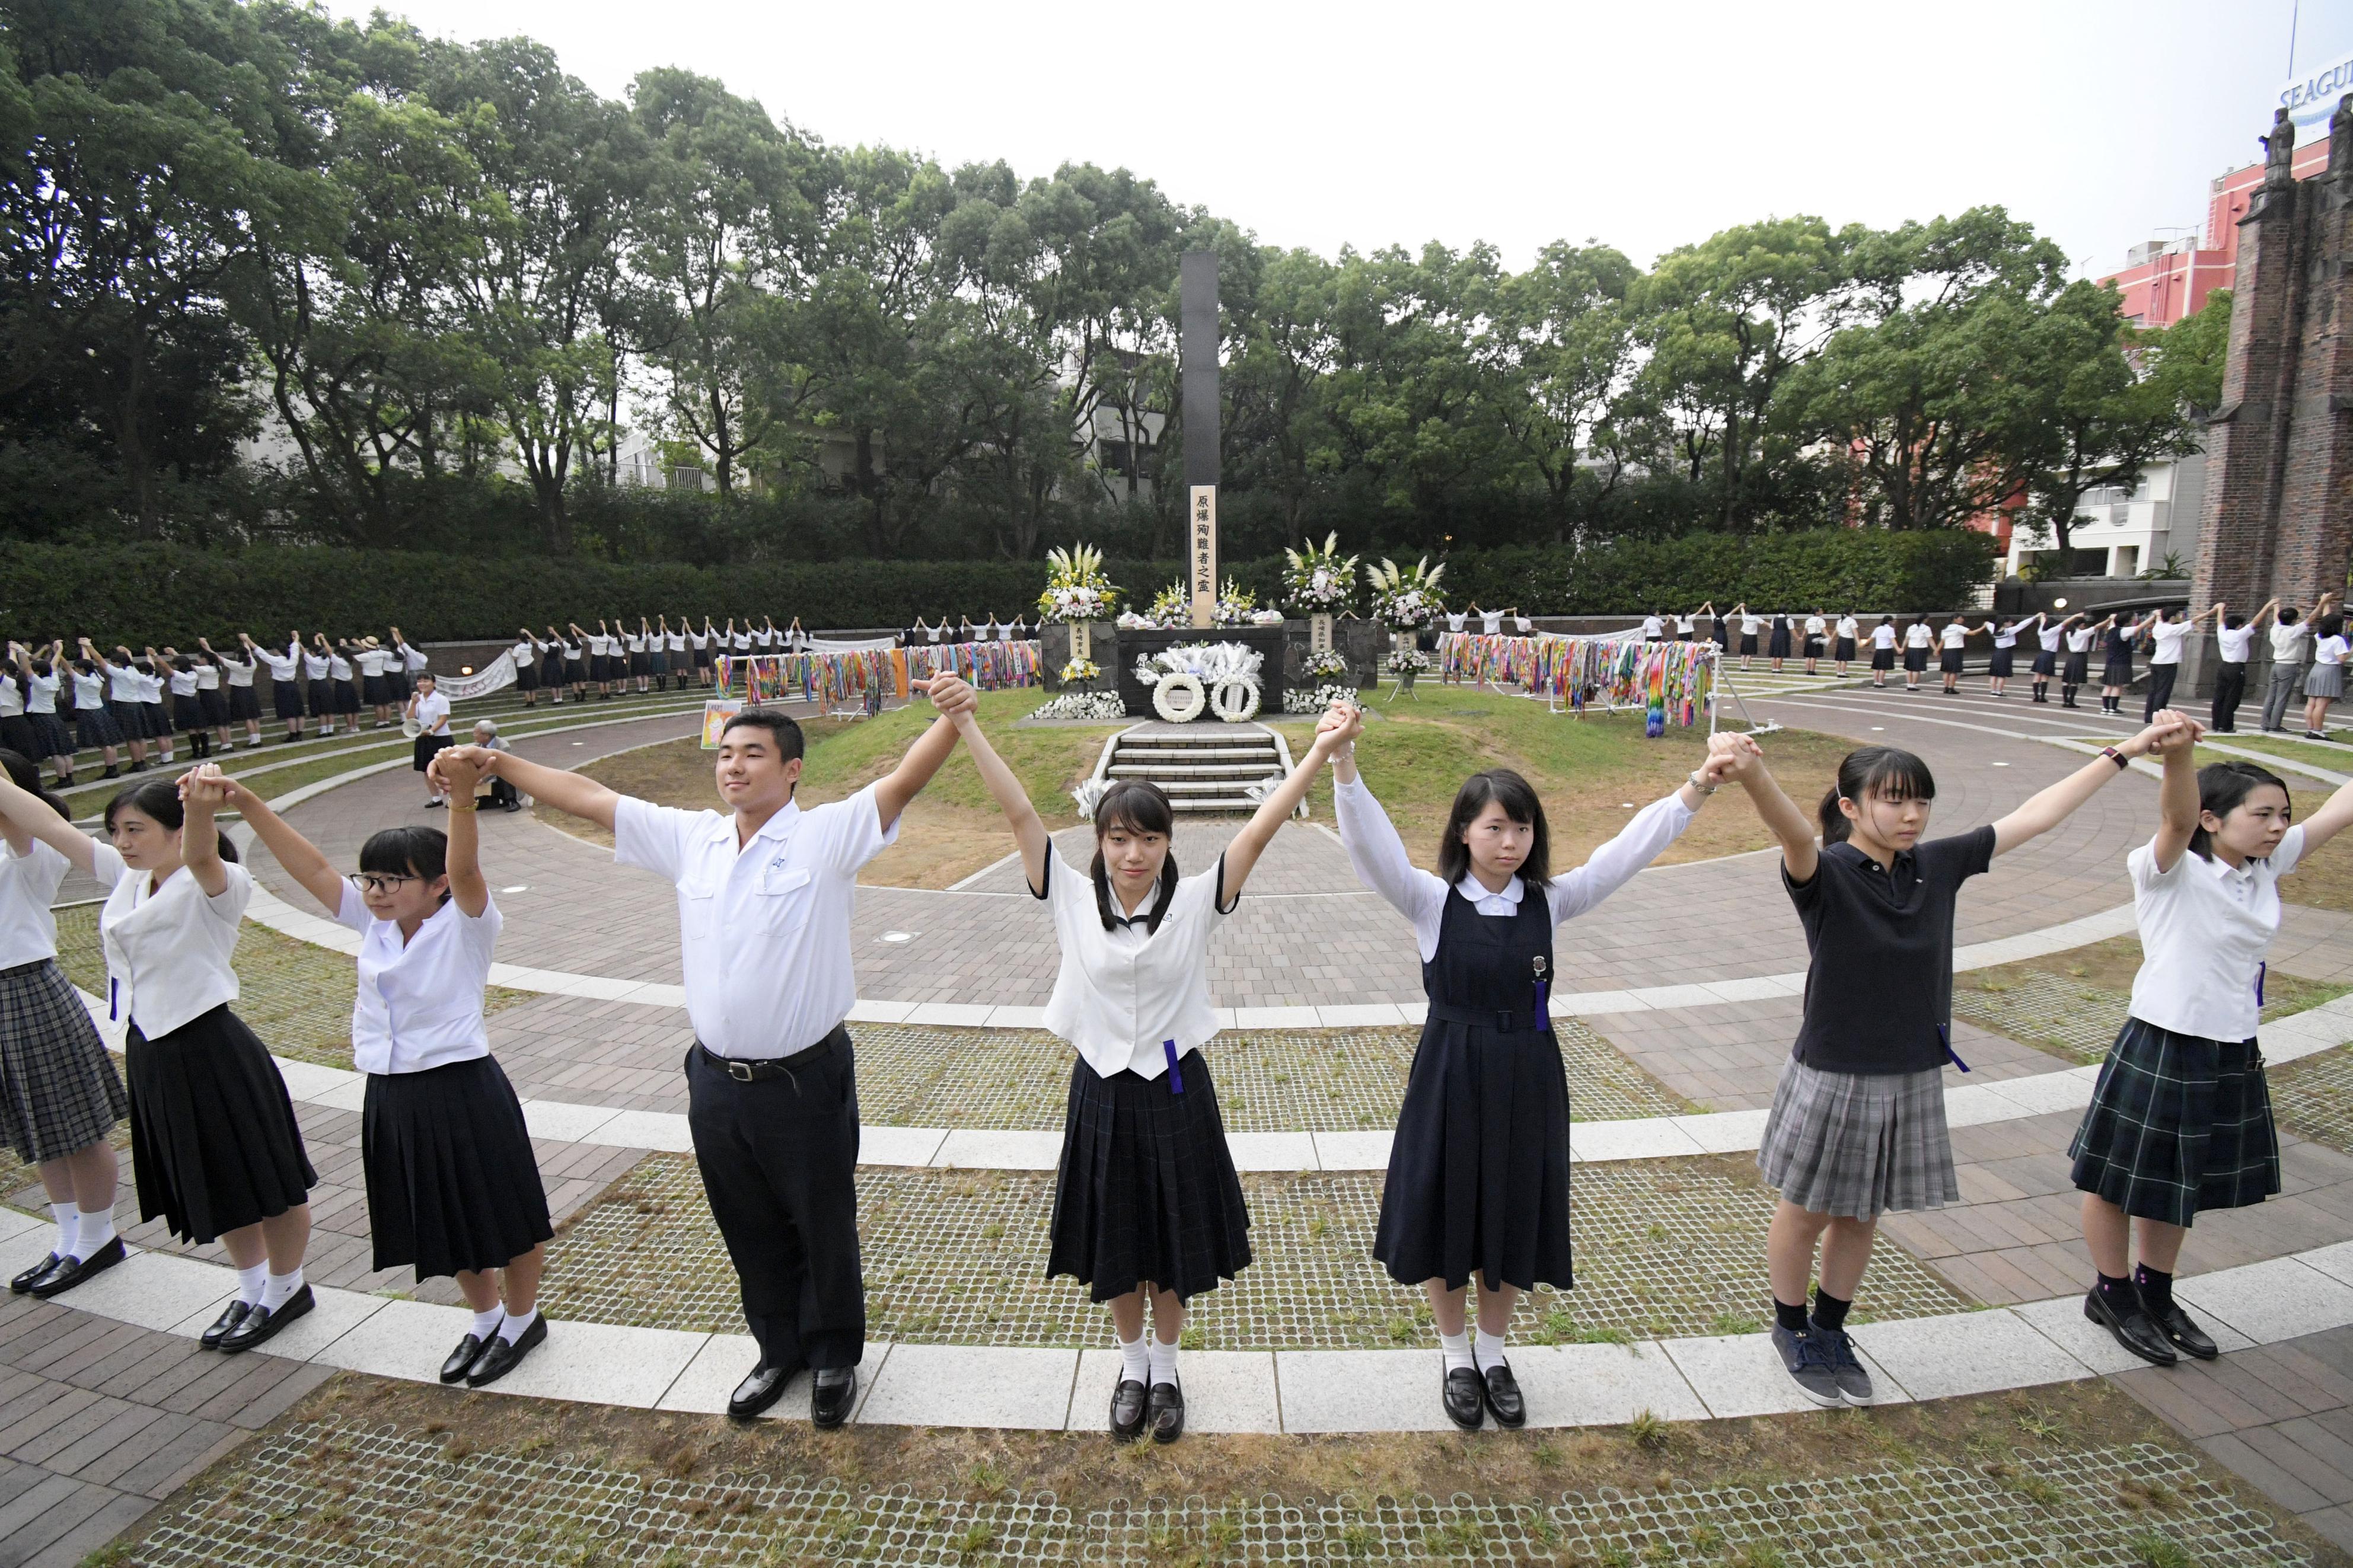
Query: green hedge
[[1831, 569], [163, 594]]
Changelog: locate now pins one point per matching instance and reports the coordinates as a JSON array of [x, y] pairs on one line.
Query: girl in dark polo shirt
[[1857, 1126]]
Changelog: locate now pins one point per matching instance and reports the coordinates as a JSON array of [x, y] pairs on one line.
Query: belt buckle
[[739, 1071]]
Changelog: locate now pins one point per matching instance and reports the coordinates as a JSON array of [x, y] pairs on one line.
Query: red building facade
[[2168, 281]]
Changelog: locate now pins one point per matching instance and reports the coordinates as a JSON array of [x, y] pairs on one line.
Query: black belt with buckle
[[743, 1071]]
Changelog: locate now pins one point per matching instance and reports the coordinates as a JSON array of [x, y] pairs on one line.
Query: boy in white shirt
[[431, 711]]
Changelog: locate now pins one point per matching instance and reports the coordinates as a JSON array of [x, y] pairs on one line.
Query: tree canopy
[[272, 274]]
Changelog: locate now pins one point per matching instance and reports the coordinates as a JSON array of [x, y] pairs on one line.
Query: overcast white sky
[[1645, 126]]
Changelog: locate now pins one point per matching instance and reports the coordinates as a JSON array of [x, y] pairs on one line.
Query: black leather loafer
[[1464, 1396], [830, 1399], [502, 1355], [262, 1324], [223, 1326], [1503, 1392], [1166, 1408], [70, 1272], [2133, 1327], [461, 1360], [1127, 1406], [762, 1387], [2177, 1325], [24, 1282]]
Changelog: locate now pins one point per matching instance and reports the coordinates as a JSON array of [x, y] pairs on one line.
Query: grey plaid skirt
[[1859, 1145], [59, 1090], [2177, 1124]]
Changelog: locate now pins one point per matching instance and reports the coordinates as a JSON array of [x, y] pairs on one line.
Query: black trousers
[[779, 1162], [2229, 686], [2160, 690]]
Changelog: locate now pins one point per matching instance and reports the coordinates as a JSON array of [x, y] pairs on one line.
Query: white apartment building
[[2123, 534]]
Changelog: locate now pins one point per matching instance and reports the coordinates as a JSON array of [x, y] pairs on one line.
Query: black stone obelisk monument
[[1196, 359]]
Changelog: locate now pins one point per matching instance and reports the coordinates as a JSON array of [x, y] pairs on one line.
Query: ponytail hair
[[159, 800], [1881, 770], [26, 775]]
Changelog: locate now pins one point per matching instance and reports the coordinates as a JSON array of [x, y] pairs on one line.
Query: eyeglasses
[[378, 882]]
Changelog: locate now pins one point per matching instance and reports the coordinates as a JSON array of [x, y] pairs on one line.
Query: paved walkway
[[605, 1073], [100, 1420]]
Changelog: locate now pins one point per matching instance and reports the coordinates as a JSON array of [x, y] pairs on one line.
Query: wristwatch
[[2116, 757], [1700, 783]]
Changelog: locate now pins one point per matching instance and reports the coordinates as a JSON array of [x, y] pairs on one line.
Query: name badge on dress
[[1542, 1016], [1176, 1078]]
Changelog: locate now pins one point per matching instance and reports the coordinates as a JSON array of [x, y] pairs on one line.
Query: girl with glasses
[[452, 1184]]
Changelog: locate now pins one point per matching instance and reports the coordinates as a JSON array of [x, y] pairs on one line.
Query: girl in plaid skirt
[[2181, 1119], [1858, 1125], [59, 1097], [1147, 1207]]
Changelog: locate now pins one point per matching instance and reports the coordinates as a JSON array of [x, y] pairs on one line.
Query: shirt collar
[[776, 828], [1854, 856], [1473, 890]]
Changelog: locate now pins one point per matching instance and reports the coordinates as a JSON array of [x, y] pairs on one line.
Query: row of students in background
[[656, 656], [965, 630], [1491, 622], [331, 683]]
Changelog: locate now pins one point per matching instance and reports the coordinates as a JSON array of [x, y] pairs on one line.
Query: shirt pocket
[[698, 911], [785, 899]]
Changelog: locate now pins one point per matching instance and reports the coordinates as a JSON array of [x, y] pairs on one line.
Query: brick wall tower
[[2279, 477]]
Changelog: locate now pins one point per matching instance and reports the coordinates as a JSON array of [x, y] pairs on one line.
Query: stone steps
[[1202, 772]]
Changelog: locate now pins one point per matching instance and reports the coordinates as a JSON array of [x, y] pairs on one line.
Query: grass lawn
[[1415, 756]]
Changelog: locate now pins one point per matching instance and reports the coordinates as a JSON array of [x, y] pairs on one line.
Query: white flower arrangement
[[1405, 658], [1318, 701], [1076, 587], [1088, 796], [1331, 661], [1406, 600], [1130, 621], [1080, 669], [1172, 607], [1082, 705], [1190, 677], [1266, 617], [1318, 582]]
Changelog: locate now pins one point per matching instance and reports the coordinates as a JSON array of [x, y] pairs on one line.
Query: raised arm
[[303, 859], [567, 792], [1783, 817], [26, 816], [904, 782], [1244, 848], [202, 791], [1029, 834], [2046, 809], [2176, 797], [468, 890], [1374, 851]]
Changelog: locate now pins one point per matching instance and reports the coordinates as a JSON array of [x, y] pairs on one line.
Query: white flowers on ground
[[1318, 701], [1082, 705]]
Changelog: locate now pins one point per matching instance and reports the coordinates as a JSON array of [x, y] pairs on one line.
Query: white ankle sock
[[1135, 1360], [96, 1229], [487, 1323], [1490, 1350], [1457, 1350], [251, 1283], [282, 1287], [68, 1226], [1163, 1360], [516, 1324]]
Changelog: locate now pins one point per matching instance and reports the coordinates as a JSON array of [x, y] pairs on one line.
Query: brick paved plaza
[[114, 1429]]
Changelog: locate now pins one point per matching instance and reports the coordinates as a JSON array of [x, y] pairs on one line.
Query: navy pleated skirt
[[214, 1142], [1147, 1188], [1478, 1177], [451, 1180]]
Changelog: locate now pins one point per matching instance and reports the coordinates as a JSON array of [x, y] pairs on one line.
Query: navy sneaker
[[1846, 1367], [1808, 1361]]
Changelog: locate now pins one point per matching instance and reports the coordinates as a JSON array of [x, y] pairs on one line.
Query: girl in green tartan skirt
[[2181, 1119]]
